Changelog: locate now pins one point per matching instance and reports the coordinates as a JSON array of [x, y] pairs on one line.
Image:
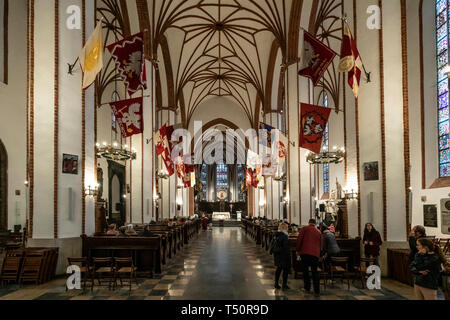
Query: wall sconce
[[351, 195], [125, 196], [286, 199], [262, 203], [179, 204], [163, 174], [91, 191], [156, 197]]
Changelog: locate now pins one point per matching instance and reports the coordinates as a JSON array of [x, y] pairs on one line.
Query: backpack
[[276, 245]]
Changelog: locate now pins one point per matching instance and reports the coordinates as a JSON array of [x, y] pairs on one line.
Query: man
[[146, 232], [309, 244]]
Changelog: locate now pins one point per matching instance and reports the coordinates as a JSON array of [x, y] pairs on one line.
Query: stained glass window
[[326, 148], [222, 177], [204, 181], [240, 181], [442, 32]]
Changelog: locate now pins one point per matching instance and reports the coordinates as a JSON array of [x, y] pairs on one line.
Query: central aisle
[[223, 270]]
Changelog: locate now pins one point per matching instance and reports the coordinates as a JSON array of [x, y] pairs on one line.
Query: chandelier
[[115, 152], [336, 156]]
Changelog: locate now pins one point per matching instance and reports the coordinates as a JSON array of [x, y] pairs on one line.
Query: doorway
[[116, 187]]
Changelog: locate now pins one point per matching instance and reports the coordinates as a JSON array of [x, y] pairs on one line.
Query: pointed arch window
[[442, 38], [326, 148]]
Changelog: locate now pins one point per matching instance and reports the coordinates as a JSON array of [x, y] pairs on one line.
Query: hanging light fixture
[[115, 152], [336, 156]]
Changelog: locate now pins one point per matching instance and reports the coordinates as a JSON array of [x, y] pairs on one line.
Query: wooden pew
[[168, 235], [147, 252]]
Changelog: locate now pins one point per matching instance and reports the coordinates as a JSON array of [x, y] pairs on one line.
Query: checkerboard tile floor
[[219, 264]]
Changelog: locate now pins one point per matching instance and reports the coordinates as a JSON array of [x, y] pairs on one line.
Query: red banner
[[129, 116], [129, 56], [316, 57], [252, 178], [164, 147], [313, 122], [162, 139], [185, 172], [351, 61]]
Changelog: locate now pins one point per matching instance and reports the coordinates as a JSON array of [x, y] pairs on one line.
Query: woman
[[330, 246], [130, 231], [372, 242], [281, 252], [112, 230], [416, 233], [426, 268]]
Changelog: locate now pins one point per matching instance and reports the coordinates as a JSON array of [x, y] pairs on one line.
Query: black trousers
[[285, 271], [313, 263]]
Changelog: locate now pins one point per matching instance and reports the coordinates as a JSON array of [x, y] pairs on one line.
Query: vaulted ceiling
[[209, 48]]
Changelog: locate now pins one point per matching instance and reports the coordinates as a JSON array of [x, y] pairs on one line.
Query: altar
[[217, 216]]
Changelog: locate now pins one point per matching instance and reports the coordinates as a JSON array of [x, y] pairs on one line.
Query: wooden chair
[[323, 273], [445, 245], [125, 267], [11, 266], [32, 267], [85, 269], [339, 267], [361, 270], [103, 269]]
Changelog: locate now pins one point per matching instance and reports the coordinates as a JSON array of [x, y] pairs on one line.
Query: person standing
[[417, 233], [372, 242], [309, 244], [281, 253], [426, 268]]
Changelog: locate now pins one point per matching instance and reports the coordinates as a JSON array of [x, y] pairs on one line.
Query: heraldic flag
[[91, 57], [313, 122], [254, 169], [280, 148], [186, 172], [265, 141], [129, 57], [351, 61], [129, 115], [164, 147], [315, 58]]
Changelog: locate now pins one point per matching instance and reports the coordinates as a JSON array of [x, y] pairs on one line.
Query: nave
[[222, 264]]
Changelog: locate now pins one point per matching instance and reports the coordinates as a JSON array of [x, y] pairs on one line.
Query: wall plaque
[[445, 216], [430, 216]]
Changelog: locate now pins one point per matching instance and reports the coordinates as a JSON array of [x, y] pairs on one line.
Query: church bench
[[398, 265], [169, 237], [146, 252]]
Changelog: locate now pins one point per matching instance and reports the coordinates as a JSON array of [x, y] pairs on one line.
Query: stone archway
[[3, 188]]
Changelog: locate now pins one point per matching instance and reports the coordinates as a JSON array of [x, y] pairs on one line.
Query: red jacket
[[309, 241]]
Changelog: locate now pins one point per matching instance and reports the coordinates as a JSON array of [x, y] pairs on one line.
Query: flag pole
[[72, 66]]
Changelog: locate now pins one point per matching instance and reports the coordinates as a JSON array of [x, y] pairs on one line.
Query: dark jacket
[[428, 262], [374, 250], [283, 258], [309, 241], [146, 233], [330, 245], [413, 248]]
